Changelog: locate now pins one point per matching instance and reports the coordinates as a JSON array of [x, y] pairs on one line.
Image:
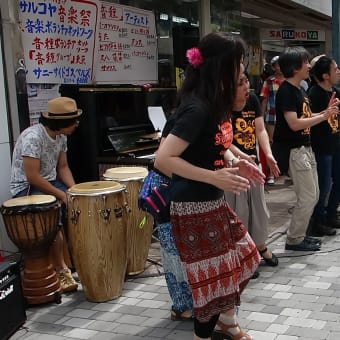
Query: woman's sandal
[[224, 333], [272, 261], [177, 315]]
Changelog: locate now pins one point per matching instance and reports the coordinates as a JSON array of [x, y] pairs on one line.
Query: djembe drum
[[139, 224], [97, 237], [31, 224]]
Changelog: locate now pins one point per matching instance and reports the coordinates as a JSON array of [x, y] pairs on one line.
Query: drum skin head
[[29, 200], [96, 187], [126, 173]]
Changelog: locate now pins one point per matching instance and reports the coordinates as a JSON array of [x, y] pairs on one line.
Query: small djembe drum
[[31, 224]]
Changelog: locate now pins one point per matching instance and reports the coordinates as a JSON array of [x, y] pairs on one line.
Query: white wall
[[5, 156], [324, 6]]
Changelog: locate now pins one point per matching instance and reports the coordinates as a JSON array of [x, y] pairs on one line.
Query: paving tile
[[81, 313], [262, 335], [105, 307], [277, 328], [106, 316], [297, 300], [265, 317], [317, 285], [129, 329], [79, 333], [131, 319], [282, 296], [77, 322], [296, 313]]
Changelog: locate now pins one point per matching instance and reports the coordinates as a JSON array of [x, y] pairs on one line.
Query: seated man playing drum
[[40, 166]]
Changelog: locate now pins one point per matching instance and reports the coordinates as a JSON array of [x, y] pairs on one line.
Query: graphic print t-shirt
[[244, 125], [325, 136], [36, 143], [208, 140], [291, 98]]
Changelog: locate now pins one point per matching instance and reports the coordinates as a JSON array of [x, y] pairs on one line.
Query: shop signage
[[87, 41], [293, 34]]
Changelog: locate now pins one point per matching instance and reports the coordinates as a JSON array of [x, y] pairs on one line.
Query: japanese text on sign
[[59, 39], [126, 45]]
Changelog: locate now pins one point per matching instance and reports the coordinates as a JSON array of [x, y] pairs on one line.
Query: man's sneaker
[[318, 229], [305, 245], [270, 180], [67, 283], [313, 240], [333, 222]]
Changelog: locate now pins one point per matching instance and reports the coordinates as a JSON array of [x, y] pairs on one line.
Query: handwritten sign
[[86, 41], [126, 45], [59, 40]]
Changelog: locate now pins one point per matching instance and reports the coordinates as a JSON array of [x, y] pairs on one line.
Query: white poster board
[[87, 41], [59, 40], [126, 46]]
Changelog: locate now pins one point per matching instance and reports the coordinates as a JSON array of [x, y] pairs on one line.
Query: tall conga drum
[[31, 223], [139, 223], [97, 237]]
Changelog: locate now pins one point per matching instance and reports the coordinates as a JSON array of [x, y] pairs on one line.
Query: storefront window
[[226, 15], [177, 26]]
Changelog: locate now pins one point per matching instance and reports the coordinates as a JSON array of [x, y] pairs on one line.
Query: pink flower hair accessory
[[194, 57]]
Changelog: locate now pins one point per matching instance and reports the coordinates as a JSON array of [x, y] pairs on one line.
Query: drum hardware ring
[[75, 212], [118, 212], [105, 213], [127, 208], [75, 216]]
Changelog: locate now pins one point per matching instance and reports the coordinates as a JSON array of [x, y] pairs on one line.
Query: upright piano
[[114, 128]]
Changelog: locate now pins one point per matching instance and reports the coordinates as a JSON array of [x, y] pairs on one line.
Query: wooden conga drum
[[31, 224], [139, 223], [97, 237]]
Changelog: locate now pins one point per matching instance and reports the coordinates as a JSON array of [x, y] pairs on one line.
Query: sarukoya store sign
[[293, 34]]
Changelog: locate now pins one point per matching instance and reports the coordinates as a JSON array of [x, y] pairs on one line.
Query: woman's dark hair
[[215, 80], [322, 66], [57, 124], [292, 60]]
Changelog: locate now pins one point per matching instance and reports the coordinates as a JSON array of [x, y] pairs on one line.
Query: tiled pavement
[[299, 299]]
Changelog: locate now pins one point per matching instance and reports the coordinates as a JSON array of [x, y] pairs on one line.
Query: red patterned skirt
[[217, 252]]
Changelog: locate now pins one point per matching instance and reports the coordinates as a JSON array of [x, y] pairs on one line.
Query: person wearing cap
[[268, 93], [39, 166], [294, 120], [325, 143]]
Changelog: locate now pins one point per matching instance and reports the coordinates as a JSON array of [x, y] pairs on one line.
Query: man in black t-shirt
[[325, 144], [293, 122]]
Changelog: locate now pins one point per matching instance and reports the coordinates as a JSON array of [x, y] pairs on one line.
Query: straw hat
[[62, 108]]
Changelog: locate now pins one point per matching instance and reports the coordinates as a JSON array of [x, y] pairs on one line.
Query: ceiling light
[[249, 16]]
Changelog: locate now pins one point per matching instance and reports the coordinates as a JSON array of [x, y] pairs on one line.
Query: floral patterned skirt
[[217, 253]]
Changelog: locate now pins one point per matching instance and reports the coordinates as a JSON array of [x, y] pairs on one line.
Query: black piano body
[[114, 128]]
